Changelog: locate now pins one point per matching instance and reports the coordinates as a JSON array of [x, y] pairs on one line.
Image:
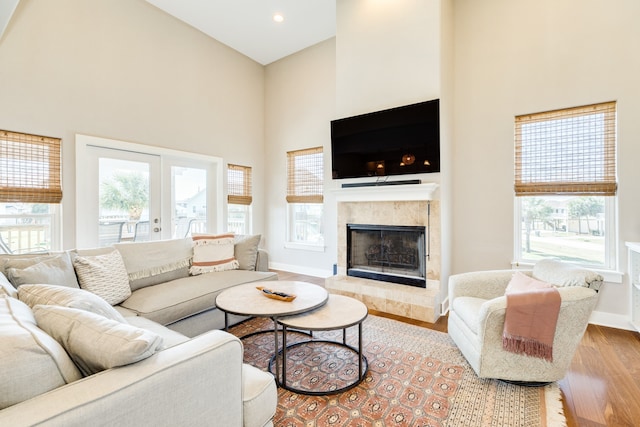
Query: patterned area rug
[[416, 377]]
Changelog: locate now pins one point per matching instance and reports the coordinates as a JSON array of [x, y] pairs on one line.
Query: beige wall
[[387, 54], [520, 57], [122, 69], [300, 103]]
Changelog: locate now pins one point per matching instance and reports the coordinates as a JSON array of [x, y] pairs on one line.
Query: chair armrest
[[575, 308], [480, 284], [198, 382]]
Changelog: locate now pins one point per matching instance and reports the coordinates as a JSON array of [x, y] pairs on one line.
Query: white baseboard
[[444, 306], [307, 271], [611, 320]]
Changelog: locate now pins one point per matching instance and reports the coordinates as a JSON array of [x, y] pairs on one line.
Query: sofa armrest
[[262, 260], [198, 382], [480, 284]]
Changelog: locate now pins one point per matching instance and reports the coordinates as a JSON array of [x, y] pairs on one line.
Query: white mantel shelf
[[386, 193]]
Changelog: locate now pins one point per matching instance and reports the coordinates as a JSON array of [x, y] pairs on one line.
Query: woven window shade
[[239, 185], [304, 176], [568, 151], [29, 168]]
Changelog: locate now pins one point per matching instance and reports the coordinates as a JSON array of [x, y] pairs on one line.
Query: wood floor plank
[[602, 386]]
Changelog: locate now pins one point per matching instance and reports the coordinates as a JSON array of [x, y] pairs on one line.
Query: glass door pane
[[121, 202], [189, 201], [123, 195]]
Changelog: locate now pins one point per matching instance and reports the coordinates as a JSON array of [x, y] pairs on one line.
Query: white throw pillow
[[33, 295], [94, 342], [213, 253], [104, 275], [31, 362]]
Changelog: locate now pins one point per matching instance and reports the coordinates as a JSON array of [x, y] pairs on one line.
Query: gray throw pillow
[[56, 270], [245, 251]]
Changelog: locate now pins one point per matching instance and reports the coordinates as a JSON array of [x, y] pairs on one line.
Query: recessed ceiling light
[[278, 17]]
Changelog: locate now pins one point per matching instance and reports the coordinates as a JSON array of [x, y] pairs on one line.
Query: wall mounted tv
[[397, 141]]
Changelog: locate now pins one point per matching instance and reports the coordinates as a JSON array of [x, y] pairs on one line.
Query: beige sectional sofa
[[80, 348]]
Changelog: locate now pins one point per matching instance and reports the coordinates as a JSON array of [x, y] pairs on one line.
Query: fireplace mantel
[[387, 193]]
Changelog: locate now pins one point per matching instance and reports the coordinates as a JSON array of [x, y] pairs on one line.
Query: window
[[239, 199], [30, 192], [305, 197], [565, 185]]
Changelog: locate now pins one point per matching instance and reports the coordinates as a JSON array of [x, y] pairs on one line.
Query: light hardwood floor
[[602, 387]]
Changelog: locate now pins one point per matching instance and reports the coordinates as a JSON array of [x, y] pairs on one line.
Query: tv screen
[[397, 141]]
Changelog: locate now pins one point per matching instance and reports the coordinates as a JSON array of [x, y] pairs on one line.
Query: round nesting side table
[[340, 312], [246, 300]]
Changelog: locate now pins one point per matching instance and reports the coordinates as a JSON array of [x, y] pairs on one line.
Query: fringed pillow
[[213, 253]]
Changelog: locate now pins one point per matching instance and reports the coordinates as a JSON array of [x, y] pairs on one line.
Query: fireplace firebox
[[388, 253]]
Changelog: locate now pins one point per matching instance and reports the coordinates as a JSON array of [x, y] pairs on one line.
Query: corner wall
[[515, 58], [123, 69]]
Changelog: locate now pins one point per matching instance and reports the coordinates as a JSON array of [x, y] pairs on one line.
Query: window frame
[[28, 191], [241, 196], [605, 187], [302, 191], [610, 232]]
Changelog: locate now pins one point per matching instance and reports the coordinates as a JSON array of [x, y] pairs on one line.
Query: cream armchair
[[477, 312]]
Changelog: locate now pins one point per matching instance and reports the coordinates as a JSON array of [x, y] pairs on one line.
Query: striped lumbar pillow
[[213, 253]]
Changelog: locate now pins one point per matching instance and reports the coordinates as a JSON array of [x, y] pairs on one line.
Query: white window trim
[[249, 214], [83, 142], [288, 244], [305, 247], [610, 270]]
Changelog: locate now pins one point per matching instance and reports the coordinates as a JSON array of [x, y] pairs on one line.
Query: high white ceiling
[[248, 26]]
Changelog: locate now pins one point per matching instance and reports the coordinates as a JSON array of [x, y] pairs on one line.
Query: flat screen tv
[[397, 141]]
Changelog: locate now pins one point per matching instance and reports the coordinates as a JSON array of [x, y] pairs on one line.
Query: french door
[[133, 192]]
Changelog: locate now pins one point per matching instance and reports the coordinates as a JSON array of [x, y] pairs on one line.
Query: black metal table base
[[363, 364]]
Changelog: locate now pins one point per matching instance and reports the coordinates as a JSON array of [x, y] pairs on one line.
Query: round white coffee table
[[340, 312], [247, 300]]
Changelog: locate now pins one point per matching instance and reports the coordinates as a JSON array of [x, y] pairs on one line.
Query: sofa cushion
[[245, 250], [468, 309], [94, 342], [560, 273], [169, 302], [33, 295], [259, 396], [212, 253], [169, 337], [104, 275], [150, 263], [31, 361], [53, 270]]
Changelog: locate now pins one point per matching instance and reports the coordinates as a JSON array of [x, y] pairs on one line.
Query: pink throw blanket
[[532, 313]]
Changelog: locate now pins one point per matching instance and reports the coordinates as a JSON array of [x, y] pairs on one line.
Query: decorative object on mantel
[[275, 294], [408, 159], [416, 377]]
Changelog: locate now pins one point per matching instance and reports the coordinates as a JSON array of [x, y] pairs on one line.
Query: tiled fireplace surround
[[390, 205]]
